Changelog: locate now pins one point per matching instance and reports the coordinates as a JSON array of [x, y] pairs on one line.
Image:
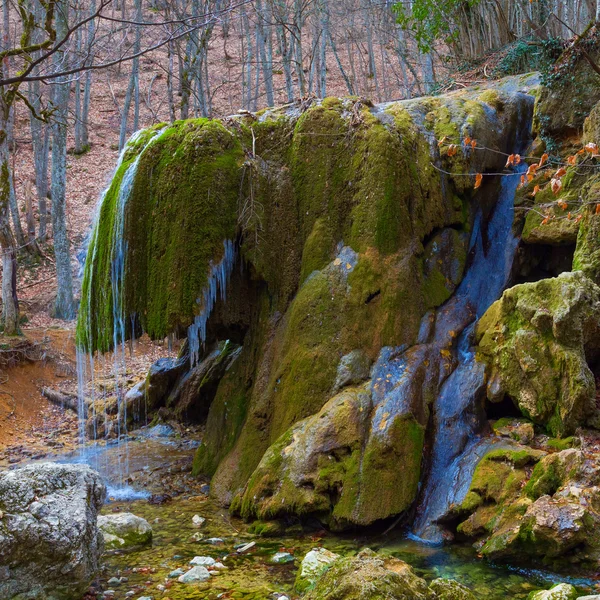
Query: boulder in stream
[[124, 530], [369, 576], [49, 540], [561, 591]]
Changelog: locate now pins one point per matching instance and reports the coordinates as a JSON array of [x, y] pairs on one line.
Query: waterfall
[[86, 360], [218, 278], [457, 411]]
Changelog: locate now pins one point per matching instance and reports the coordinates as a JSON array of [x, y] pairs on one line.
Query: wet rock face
[[49, 541], [340, 465], [535, 341]]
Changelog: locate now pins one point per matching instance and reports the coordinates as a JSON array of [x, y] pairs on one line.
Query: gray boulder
[[124, 530], [49, 541]]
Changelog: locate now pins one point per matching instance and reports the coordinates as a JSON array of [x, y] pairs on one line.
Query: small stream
[[149, 475]]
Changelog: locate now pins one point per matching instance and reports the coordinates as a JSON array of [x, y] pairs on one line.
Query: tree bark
[[64, 307], [10, 303]]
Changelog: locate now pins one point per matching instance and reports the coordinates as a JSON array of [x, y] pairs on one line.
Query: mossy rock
[[591, 126], [368, 576], [534, 340], [335, 211], [560, 591], [329, 466], [448, 589]]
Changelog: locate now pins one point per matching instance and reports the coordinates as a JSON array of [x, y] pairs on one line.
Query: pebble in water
[[195, 574], [198, 521]]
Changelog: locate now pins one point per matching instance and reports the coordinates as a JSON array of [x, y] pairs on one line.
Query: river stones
[[195, 574], [561, 591], [49, 540], [312, 566], [124, 530], [448, 589]]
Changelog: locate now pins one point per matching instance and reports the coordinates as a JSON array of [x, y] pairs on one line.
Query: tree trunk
[[64, 307], [10, 303]]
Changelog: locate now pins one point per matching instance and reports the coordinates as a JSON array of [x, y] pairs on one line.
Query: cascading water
[[86, 362], [217, 285], [458, 415]]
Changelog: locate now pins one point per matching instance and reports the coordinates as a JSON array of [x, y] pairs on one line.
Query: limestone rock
[[124, 530], [161, 377], [519, 430], [312, 566], [587, 250], [560, 591], [535, 340], [544, 515], [448, 589], [194, 391], [352, 370], [368, 576], [591, 126], [49, 541], [195, 574], [563, 104], [332, 465]]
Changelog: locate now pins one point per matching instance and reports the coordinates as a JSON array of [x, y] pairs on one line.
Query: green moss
[[391, 470], [545, 479], [492, 97], [561, 444], [189, 175]]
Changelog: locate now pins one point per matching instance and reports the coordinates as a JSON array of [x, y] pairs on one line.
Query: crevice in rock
[[540, 261], [504, 408]]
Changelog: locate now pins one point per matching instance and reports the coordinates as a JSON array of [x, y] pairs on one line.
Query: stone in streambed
[[312, 566], [124, 530], [197, 573], [282, 558], [448, 589], [368, 576], [561, 591], [203, 561], [176, 573]]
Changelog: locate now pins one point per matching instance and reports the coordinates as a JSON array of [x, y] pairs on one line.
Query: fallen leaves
[[478, 180], [556, 185]]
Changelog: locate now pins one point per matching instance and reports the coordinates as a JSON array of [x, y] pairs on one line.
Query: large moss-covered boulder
[[560, 591], [527, 506], [334, 466], [370, 576], [535, 341]]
